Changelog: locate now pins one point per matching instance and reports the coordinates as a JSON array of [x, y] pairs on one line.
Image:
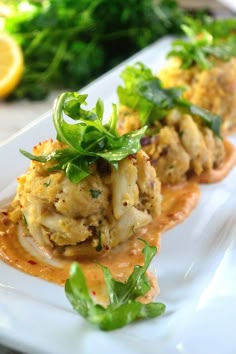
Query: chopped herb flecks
[[46, 184], [95, 193], [25, 220], [99, 245]]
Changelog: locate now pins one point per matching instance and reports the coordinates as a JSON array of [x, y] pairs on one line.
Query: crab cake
[[94, 215]]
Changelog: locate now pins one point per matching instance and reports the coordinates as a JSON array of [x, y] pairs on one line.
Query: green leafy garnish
[[219, 28], [99, 245], [87, 139], [123, 307], [25, 220], [214, 40], [47, 184], [144, 92]]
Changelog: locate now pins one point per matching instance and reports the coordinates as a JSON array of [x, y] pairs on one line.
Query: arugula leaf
[[216, 40], [194, 50], [213, 121], [144, 92], [123, 307], [220, 28], [87, 138]]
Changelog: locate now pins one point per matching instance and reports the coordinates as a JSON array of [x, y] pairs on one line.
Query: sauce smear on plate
[[178, 202]]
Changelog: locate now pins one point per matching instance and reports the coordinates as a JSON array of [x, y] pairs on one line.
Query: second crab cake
[[182, 139]]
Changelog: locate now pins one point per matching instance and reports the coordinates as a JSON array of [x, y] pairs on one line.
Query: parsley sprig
[[123, 307], [215, 39], [88, 42], [87, 139], [144, 92]]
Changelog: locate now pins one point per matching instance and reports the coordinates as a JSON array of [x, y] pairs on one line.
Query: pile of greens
[[87, 138], [206, 40], [67, 43], [123, 307], [144, 92]]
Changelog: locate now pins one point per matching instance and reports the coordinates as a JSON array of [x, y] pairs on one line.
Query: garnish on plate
[[87, 138], [144, 92], [124, 306], [205, 64], [205, 42], [183, 140], [89, 190]]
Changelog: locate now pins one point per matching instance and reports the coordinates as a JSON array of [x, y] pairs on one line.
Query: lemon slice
[[11, 64]]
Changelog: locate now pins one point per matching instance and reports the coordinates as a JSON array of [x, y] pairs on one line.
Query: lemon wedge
[[11, 64]]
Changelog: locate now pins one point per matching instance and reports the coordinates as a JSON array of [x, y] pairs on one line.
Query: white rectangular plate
[[196, 268]]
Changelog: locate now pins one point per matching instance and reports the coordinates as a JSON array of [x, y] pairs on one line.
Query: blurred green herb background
[[68, 43]]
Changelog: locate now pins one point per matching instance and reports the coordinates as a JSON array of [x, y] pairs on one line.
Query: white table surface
[[16, 115]]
